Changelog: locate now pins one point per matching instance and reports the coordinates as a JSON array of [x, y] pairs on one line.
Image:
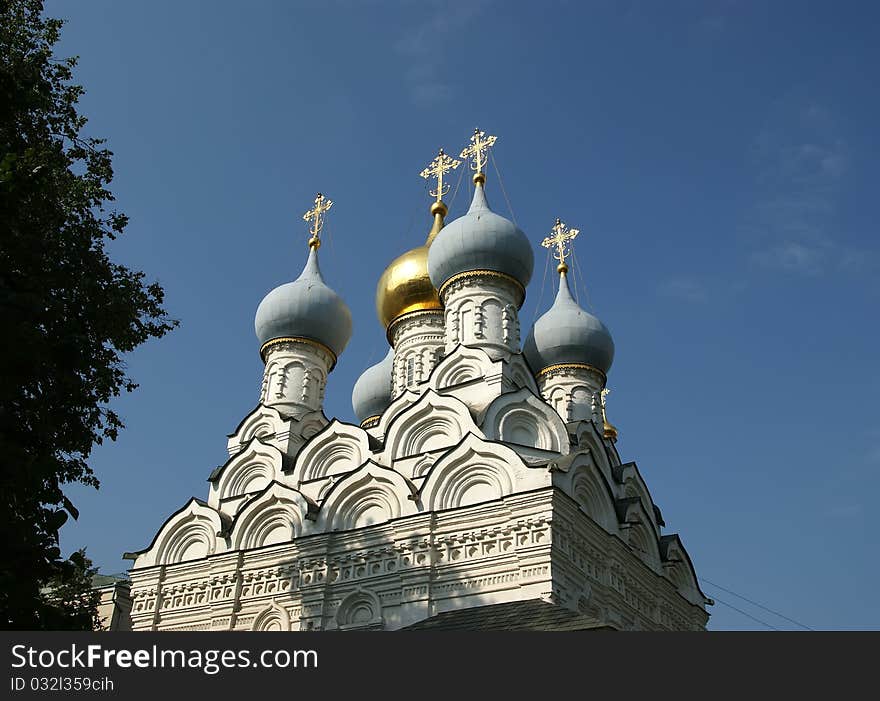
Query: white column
[[482, 311], [295, 375], [573, 390], [418, 340]]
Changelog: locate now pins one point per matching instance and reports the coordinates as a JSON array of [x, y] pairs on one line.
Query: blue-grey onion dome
[[480, 240], [372, 391], [305, 308], [568, 334]]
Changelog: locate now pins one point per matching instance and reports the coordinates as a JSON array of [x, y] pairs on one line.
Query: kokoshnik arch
[[482, 485]]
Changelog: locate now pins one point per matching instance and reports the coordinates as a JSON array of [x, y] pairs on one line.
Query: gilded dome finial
[[480, 145], [316, 218], [609, 431], [560, 238]]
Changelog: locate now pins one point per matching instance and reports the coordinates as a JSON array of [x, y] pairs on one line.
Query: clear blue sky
[[720, 159]]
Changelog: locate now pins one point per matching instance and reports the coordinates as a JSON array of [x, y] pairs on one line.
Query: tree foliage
[[68, 311]]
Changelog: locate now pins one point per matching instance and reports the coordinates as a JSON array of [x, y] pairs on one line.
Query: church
[[482, 488]]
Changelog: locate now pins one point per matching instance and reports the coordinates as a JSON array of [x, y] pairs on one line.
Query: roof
[[106, 580], [533, 614]]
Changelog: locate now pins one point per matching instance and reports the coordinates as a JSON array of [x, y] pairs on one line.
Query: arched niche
[[191, 533], [632, 485], [518, 374], [263, 422], [477, 471], [251, 470], [522, 418], [338, 448], [585, 483], [360, 610], [434, 422], [679, 569], [272, 618], [371, 495], [461, 366], [277, 515], [638, 530], [395, 409]]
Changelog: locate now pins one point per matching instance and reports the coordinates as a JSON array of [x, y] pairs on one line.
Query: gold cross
[[443, 163], [316, 216], [560, 238], [480, 144]]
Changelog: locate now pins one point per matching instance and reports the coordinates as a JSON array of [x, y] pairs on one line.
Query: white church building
[[481, 490]]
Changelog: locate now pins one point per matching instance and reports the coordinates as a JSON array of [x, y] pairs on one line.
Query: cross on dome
[[561, 236], [480, 145], [316, 218], [441, 165]]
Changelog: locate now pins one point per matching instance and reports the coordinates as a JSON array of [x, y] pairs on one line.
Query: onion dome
[[480, 241], [305, 309], [405, 286], [568, 335], [372, 391]]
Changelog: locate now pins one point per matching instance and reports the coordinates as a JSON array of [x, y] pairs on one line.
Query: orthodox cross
[[480, 145], [442, 164], [315, 216], [560, 238]]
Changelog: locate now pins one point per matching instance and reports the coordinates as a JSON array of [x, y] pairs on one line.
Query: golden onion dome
[[405, 285]]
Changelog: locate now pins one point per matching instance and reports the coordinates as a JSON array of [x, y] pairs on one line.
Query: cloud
[[421, 49], [801, 162], [792, 256], [685, 289]]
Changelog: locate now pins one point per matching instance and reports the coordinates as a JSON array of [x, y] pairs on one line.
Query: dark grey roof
[[105, 580], [532, 614]]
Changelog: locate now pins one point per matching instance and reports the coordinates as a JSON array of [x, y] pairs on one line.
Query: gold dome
[[405, 286]]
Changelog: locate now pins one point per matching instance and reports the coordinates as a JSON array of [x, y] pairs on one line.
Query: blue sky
[[720, 159]]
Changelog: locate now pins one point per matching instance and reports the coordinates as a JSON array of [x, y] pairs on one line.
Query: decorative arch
[[679, 569], [372, 494], [272, 618], [311, 424], [461, 366], [277, 515], [521, 417], [191, 533], [519, 374], [263, 422], [395, 409], [251, 470], [639, 530], [477, 471], [585, 483], [338, 448], [589, 439], [362, 609], [435, 421], [633, 486]]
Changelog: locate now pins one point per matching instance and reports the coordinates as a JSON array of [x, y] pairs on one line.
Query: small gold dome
[[405, 286]]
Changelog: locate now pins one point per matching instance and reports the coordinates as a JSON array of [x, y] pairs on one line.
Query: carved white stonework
[[479, 484], [295, 377], [482, 312], [573, 391], [418, 339]]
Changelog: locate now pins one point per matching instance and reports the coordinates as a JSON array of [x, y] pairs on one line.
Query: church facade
[[481, 489]]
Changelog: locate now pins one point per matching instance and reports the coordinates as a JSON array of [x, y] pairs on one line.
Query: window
[[410, 372]]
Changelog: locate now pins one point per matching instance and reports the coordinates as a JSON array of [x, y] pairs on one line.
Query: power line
[[755, 603], [747, 615]]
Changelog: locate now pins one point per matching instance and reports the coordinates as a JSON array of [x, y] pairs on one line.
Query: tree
[[68, 313]]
